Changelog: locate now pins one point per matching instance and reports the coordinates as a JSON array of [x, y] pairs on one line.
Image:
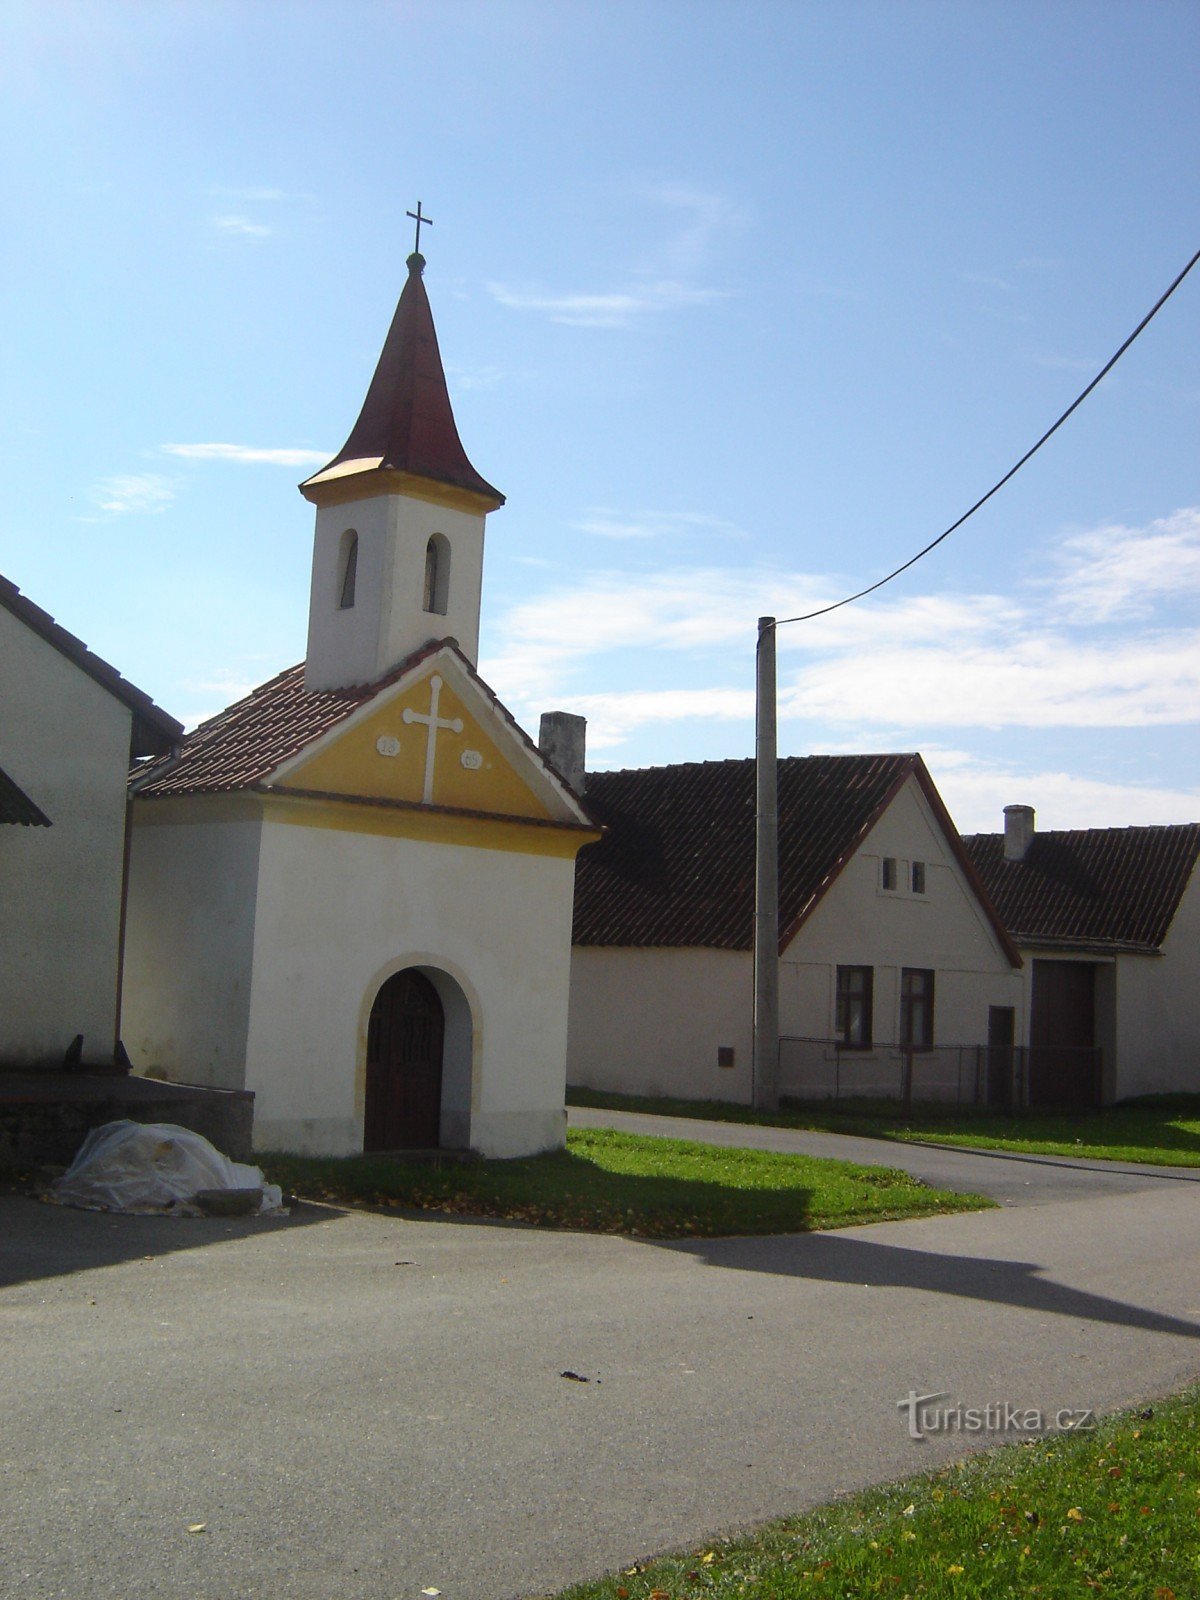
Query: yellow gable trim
[[434, 827], [393, 752], [365, 479]]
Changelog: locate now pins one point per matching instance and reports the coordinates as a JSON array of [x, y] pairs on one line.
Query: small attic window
[[347, 569], [437, 574]]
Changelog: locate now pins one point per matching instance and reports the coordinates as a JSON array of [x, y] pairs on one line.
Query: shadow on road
[[46, 1241], [834, 1258]]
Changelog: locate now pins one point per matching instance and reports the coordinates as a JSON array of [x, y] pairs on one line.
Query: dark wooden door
[[1001, 1037], [404, 1066], [1062, 1035]]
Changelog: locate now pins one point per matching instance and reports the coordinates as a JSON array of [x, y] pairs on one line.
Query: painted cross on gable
[[432, 723]]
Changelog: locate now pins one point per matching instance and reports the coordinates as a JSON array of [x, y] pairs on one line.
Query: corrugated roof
[[1094, 887], [16, 806], [407, 423], [676, 866], [153, 730]]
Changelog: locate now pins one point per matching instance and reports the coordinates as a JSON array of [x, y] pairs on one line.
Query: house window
[[918, 877], [854, 996], [347, 569], [437, 574], [887, 873], [916, 1007]]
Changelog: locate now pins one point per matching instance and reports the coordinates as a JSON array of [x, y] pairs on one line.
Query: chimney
[[1018, 832], [562, 739]]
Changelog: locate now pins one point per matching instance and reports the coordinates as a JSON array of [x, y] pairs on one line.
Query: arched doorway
[[405, 1039]]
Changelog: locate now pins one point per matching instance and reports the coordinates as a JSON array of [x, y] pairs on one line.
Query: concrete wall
[[189, 939], [648, 1021], [340, 912], [65, 741], [1158, 1010]]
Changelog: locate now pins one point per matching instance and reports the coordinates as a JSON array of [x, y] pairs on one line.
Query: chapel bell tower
[[398, 549]]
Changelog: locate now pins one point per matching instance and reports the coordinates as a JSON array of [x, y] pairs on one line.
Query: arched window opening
[[437, 574], [347, 569]]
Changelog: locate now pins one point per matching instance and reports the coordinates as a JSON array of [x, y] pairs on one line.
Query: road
[[360, 1406]]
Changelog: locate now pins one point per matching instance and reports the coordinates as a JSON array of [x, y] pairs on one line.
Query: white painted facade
[[388, 620], [65, 740], [650, 1021], [283, 935], [1157, 1005]]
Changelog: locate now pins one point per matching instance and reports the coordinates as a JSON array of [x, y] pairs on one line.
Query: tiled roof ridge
[[744, 761], [153, 716], [1123, 830]]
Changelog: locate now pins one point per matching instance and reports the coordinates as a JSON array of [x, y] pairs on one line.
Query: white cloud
[[904, 667], [247, 454], [608, 524], [976, 792], [128, 492], [240, 227], [1119, 572], [608, 308], [612, 717]]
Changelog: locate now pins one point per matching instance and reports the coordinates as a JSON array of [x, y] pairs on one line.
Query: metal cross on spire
[[418, 218]]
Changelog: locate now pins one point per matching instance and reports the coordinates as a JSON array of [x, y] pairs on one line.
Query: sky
[[740, 305]]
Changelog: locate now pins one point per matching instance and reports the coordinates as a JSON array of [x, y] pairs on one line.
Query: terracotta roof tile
[[16, 806], [153, 730], [1116, 887], [676, 866]]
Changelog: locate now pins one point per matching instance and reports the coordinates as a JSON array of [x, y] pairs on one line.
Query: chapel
[[351, 892]]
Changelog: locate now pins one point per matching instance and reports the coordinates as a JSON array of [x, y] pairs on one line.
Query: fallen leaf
[[955, 1568], [908, 1511], [197, 1527], [575, 1377], [431, 1590], [1075, 1514], [709, 1556]]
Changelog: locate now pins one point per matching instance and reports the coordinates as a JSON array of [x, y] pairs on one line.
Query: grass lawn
[[1113, 1512], [1160, 1132], [620, 1183]]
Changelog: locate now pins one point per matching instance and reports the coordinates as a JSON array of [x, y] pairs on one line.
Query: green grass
[[620, 1183], [1115, 1512], [1156, 1132]]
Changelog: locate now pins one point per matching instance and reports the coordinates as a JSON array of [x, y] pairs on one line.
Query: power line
[[1012, 471]]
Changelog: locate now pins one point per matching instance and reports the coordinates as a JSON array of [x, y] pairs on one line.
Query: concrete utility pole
[[766, 878]]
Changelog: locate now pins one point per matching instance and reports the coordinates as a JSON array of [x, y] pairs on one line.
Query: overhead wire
[[822, 611]]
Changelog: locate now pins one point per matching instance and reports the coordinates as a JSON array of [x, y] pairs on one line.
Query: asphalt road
[[358, 1407]]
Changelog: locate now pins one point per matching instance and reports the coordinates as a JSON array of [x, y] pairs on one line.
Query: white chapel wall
[[189, 942], [339, 912], [65, 741]]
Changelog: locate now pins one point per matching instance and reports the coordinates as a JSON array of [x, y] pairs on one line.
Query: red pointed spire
[[406, 423]]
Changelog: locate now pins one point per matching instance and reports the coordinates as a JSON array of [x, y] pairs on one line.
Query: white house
[[352, 891], [69, 727], [887, 939], [1108, 920]]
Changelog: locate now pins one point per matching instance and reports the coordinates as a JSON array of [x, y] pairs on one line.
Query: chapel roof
[[1115, 888], [676, 865], [17, 807], [153, 730], [407, 423], [239, 748]]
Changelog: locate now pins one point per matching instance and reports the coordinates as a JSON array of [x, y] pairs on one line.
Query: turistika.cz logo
[[926, 1416]]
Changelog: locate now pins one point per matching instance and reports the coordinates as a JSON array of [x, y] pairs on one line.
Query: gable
[[471, 760]]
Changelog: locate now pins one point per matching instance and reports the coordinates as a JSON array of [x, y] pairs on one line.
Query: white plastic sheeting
[[153, 1166]]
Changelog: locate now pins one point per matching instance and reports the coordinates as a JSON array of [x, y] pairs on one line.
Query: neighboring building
[[69, 727], [1108, 920], [352, 892], [886, 937]]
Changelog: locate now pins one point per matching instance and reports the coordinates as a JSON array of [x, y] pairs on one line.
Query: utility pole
[[766, 877]]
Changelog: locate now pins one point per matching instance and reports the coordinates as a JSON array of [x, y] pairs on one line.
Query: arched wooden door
[[404, 1065]]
